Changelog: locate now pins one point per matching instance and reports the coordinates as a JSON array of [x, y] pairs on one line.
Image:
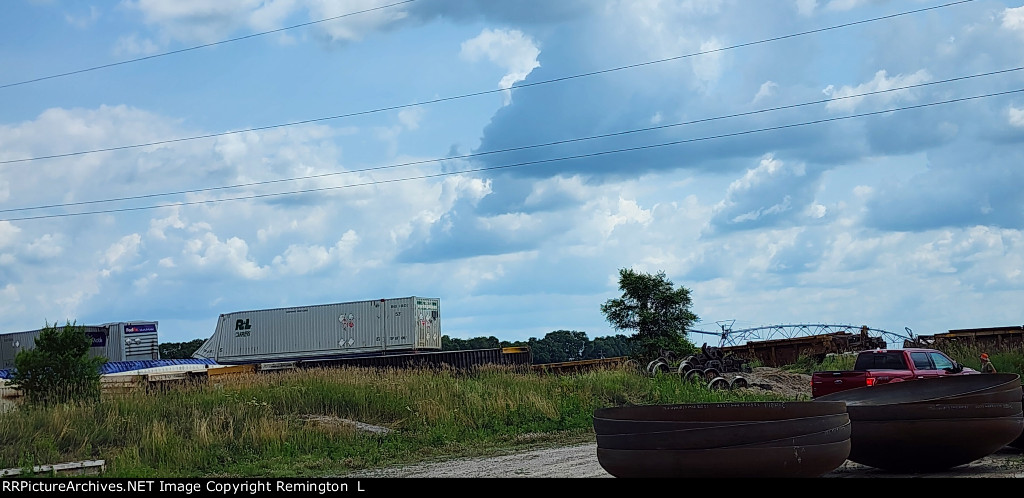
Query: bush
[[59, 368]]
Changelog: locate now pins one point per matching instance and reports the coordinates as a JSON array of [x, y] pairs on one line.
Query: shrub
[[59, 368]]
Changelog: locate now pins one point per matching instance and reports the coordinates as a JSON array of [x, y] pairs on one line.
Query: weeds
[[274, 425]]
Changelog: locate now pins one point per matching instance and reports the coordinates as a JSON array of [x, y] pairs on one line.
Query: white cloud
[[8, 233], [766, 90], [120, 252], [708, 67], [209, 254], [806, 7], [511, 50], [353, 28], [627, 211], [48, 246], [843, 5], [1015, 116], [133, 45], [1013, 19], [83, 21], [842, 100], [158, 226], [410, 117]]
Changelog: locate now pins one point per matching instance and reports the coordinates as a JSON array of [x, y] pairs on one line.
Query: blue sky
[[748, 165]]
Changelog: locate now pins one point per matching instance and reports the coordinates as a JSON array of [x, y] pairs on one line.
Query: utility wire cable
[[197, 47], [521, 164], [518, 148], [480, 93]]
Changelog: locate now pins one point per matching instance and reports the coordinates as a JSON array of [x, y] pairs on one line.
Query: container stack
[[766, 439], [935, 424]]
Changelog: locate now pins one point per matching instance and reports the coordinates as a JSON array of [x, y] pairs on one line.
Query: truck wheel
[[710, 374], [657, 367], [693, 375], [718, 384], [738, 383]]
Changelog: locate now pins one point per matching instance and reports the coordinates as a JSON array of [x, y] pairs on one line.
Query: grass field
[[293, 424]]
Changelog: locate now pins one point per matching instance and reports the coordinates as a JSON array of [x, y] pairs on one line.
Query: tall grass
[[1007, 360], [295, 423]]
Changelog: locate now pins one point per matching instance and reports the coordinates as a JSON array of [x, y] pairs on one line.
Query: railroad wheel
[[718, 384], [738, 383], [684, 367], [655, 367], [710, 374], [693, 375]]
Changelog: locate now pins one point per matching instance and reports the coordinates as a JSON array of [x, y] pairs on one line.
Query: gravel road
[[580, 461]]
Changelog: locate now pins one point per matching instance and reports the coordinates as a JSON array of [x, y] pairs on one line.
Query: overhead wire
[[518, 148], [197, 47], [519, 86], [521, 164]]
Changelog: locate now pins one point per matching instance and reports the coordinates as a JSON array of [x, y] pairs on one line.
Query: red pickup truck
[[880, 366]]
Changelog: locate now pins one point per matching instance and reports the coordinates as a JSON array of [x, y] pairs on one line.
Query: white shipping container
[[325, 331], [118, 341]]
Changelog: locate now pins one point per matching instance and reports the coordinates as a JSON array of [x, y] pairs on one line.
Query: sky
[[788, 161]]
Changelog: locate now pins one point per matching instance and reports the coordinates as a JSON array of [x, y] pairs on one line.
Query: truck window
[[887, 360], [921, 361], [941, 361]]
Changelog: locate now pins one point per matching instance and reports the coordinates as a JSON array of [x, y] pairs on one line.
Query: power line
[[519, 148], [521, 164], [197, 47], [480, 93]]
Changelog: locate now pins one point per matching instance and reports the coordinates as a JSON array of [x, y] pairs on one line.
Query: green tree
[[653, 307], [610, 347], [457, 344], [180, 350], [59, 368], [566, 345]]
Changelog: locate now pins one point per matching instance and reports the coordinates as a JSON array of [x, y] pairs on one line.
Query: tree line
[[61, 369], [650, 305], [554, 347]]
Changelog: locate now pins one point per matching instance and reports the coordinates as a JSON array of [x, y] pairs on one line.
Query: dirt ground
[[580, 461]]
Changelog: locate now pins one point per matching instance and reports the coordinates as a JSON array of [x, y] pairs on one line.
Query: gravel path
[[581, 461]]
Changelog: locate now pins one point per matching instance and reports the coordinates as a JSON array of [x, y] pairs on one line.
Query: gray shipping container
[[325, 331], [119, 341]]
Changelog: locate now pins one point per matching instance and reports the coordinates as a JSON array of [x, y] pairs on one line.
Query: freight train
[[327, 331]]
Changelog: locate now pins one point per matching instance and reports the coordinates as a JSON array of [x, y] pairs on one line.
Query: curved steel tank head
[[834, 435], [930, 411], [927, 390], [637, 435], [604, 426], [772, 462], [930, 445], [722, 412]]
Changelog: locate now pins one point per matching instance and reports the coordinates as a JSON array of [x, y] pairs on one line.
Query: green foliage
[[59, 369], [294, 424], [1006, 360], [610, 347], [653, 307], [556, 346], [456, 344], [180, 350], [810, 364], [560, 345]]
